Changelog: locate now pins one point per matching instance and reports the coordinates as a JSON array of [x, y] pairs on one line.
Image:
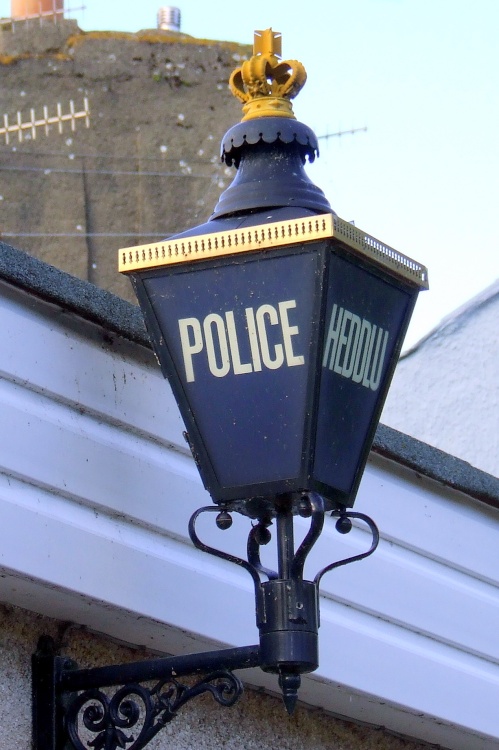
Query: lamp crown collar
[[265, 83]]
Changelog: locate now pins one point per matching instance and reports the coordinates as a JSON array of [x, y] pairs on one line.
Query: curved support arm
[[217, 552], [253, 551], [354, 558], [314, 532]]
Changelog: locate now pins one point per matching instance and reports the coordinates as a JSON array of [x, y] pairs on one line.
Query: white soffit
[[96, 489]]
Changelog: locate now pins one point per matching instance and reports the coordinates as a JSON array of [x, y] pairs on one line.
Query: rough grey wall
[[148, 166], [257, 721]]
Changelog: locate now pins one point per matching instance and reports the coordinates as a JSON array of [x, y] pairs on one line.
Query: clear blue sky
[[423, 77]]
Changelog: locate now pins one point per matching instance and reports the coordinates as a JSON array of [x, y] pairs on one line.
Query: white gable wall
[[446, 390], [96, 489]]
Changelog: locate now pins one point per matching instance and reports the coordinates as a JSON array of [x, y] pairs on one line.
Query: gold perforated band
[[231, 242], [265, 237], [382, 254]]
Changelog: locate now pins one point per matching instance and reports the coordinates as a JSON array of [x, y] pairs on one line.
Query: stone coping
[[117, 316]]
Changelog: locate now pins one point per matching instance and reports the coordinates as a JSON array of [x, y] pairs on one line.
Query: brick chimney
[[23, 9]]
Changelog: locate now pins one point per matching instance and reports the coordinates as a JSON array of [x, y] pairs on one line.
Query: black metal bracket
[[126, 705], [106, 708], [287, 606]]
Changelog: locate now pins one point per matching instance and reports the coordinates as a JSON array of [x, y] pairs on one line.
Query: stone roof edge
[[72, 294], [436, 464], [125, 319], [155, 36]]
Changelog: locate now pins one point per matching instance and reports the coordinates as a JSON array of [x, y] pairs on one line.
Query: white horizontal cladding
[[96, 490], [144, 587], [83, 458], [406, 681], [434, 572], [52, 352], [443, 525], [109, 562]]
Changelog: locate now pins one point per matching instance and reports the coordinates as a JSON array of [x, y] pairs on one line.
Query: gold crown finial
[[265, 83]]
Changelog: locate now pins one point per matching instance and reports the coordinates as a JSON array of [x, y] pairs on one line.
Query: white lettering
[[365, 379], [288, 331], [342, 340], [219, 371], [190, 347], [379, 358], [332, 338], [253, 339], [351, 347], [271, 313], [239, 367], [355, 348], [361, 354], [266, 338]]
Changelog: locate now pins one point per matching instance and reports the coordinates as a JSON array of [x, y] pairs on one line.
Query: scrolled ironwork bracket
[[106, 708], [125, 706], [343, 526]]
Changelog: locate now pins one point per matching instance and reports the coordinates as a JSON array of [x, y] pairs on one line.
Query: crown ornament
[[265, 83]]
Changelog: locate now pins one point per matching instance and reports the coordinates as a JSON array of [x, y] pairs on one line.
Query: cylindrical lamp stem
[[285, 542]]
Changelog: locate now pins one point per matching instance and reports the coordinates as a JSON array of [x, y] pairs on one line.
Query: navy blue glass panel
[[240, 338]]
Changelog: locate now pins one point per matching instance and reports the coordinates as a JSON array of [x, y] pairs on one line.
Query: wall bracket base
[[124, 706]]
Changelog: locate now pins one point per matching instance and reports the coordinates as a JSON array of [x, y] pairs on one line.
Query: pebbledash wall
[[96, 489]]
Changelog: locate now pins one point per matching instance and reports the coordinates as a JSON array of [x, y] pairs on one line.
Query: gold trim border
[[231, 242], [380, 253], [266, 236]]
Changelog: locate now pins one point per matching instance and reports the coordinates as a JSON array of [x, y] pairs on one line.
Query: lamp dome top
[[269, 147], [265, 83]]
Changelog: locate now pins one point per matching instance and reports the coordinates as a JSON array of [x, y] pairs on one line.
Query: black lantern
[[279, 341], [278, 325]]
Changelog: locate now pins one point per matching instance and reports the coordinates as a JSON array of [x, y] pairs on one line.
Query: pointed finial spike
[[290, 703], [289, 684]]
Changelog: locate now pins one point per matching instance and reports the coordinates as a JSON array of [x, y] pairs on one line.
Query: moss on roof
[[155, 36]]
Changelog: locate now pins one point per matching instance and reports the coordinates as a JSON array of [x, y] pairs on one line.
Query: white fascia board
[[95, 497], [76, 363], [132, 585]]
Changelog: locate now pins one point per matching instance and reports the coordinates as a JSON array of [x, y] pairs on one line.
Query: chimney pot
[[169, 18]]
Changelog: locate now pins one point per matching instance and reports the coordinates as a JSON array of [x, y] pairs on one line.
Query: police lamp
[[278, 326]]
